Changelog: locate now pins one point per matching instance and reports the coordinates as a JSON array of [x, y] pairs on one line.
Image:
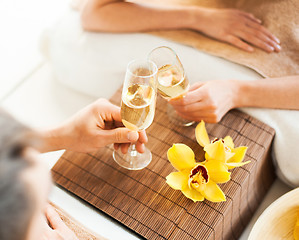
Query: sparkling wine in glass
[[138, 109], [172, 80]]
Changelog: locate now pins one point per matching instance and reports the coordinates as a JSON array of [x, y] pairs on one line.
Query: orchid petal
[[192, 194], [218, 171], [228, 141], [239, 154], [232, 165], [217, 151], [177, 180], [213, 192], [181, 156], [201, 134]]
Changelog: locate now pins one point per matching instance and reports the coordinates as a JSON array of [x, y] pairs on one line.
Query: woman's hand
[[208, 101], [56, 229], [236, 27], [95, 126]]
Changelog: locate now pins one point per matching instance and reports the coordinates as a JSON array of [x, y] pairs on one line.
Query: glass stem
[[133, 151]]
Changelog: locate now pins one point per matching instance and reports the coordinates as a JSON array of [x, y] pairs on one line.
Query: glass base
[[133, 160], [176, 119]]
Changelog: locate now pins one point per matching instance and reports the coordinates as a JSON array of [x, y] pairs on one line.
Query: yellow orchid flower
[[222, 150], [197, 181]]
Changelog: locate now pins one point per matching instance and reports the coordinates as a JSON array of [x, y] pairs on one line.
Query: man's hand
[[56, 229], [97, 125], [236, 27]]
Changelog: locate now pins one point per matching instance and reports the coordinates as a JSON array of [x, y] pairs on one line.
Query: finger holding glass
[[138, 109], [172, 80]]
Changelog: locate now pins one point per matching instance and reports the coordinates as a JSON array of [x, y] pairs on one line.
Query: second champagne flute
[[172, 80], [138, 109]]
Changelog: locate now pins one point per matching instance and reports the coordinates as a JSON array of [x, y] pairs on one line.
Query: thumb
[[121, 135]]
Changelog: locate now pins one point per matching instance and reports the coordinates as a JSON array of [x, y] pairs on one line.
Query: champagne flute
[[138, 109], [172, 80]]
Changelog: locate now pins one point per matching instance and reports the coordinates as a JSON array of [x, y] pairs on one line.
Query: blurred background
[[28, 89], [22, 23]]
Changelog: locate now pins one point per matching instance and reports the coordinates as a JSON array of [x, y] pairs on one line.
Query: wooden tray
[[142, 201]]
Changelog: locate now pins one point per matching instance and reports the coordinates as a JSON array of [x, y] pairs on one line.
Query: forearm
[[278, 93], [119, 16], [53, 139]]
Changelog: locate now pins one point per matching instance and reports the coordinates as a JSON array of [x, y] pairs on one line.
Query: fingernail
[[142, 148], [250, 49], [271, 49], [278, 47], [132, 136], [277, 40]]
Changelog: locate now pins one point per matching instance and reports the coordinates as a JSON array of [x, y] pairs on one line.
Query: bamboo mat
[[142, 201]]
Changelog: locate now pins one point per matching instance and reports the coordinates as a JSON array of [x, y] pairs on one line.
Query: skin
[[95, 126], [210, 101], [46, 223], [238, 28]]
